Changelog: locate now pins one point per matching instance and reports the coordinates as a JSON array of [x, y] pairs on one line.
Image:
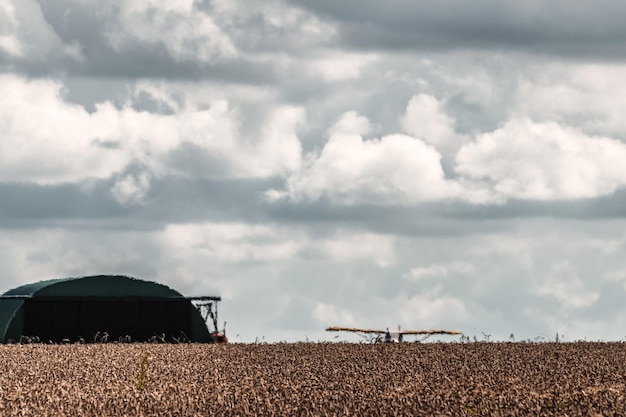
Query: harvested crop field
[[314, 379]]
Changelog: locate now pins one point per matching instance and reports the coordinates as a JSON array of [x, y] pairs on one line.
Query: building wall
[[66, 319], [83, 307]]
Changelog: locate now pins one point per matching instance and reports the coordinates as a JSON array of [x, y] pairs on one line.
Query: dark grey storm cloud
[[177, 199], [170, 200], [144, 62], [31, 205], [571, 28]]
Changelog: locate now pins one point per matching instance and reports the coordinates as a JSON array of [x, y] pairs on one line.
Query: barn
[[105, 307]]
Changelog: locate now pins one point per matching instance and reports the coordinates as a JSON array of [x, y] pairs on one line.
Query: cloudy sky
[[443, 164]]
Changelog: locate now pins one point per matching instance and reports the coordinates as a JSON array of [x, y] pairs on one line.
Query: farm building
[[104, 307]]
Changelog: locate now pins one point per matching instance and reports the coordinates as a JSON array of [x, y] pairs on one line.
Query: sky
[[451, 164]]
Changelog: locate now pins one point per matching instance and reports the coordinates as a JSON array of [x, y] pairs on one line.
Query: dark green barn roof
[[98, 287], [94, 286]]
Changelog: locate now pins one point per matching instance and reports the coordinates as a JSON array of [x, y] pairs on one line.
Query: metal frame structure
[[207, 306]]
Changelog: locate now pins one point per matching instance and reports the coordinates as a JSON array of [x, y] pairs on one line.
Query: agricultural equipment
[[386, 336], [207, 306]]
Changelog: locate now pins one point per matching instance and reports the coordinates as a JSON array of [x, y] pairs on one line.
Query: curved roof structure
[[94, 286], [80, 307]]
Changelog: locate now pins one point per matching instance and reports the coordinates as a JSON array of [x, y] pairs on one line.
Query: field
[[314, 379]]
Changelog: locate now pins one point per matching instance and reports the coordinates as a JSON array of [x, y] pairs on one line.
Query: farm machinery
[[207, 306], [387, 336]]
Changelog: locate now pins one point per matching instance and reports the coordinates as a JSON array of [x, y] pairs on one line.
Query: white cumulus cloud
[[426, 310], [395, 169], [45, 139], [563, 284], [590, 96], [426, 119], [185, 31], [25, 34], [328, 314], [543, 161], [131, 189], [439, 271]]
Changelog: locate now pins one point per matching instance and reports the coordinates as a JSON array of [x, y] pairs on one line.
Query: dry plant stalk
[[143, 370]]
